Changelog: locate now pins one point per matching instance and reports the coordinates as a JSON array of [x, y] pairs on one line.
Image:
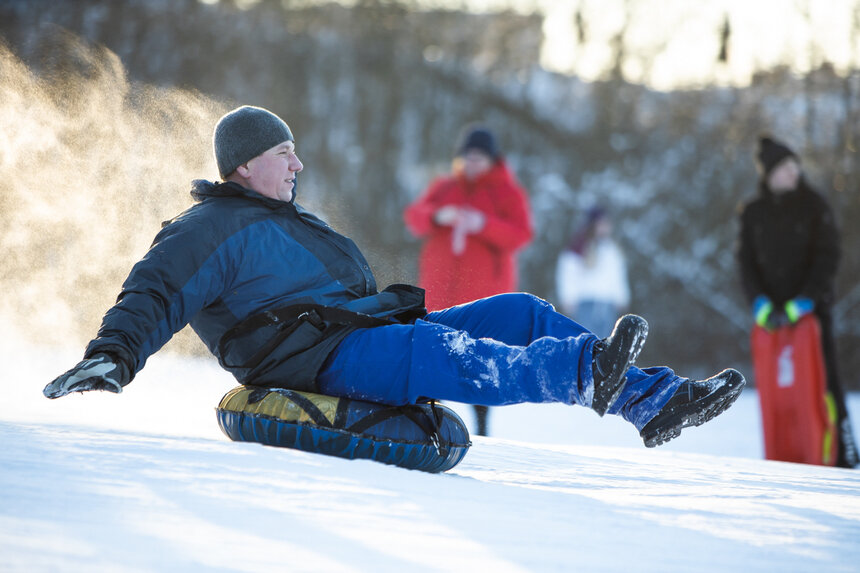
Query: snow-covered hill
[[145, 481]]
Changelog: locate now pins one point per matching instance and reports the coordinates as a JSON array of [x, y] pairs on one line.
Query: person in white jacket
[[591, 275]]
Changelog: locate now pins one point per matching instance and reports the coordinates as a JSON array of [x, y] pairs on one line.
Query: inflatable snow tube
[[427, 437]]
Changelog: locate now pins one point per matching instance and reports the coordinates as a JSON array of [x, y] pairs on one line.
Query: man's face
[[273, 172]]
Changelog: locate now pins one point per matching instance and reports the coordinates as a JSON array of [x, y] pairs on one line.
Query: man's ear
[[243, 170]]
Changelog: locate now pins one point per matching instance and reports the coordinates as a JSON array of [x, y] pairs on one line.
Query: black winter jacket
[[789, 246]]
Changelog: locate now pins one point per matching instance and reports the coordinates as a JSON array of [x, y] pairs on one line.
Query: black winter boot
[[613, 356], [694, 403]]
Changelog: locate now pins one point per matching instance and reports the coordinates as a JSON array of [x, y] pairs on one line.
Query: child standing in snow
[[788, 255]]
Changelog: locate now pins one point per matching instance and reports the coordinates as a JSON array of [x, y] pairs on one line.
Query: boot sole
[[611, 388], [726, 396]]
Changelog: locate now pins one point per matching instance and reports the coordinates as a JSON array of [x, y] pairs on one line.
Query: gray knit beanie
[[245, 133]]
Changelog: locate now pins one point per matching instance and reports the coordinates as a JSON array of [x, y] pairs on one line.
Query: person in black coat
[[788, 255]]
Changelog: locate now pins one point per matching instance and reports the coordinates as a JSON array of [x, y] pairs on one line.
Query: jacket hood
[[202, 189]]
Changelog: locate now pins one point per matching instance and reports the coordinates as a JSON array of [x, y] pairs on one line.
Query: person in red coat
[[472, 221]]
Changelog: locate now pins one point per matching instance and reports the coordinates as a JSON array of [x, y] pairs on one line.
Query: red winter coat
[[487, 266]]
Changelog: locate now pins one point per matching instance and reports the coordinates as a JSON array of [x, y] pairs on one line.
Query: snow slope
[[145, 481]]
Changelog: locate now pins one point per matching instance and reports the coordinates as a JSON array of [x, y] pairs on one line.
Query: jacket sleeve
[[750, 277], [824, 255], [509, 227], [419, 215], [183, 272]]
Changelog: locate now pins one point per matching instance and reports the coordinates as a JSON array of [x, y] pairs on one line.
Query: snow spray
[[90, 165]]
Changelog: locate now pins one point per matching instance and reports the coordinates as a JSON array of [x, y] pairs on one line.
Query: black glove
[[101, 372]]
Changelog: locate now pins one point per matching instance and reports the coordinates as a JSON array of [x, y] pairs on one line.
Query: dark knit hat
[[480, 138], [245, 133], [771, 153]]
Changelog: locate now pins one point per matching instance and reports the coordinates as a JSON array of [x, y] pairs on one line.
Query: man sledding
[[283, 300]]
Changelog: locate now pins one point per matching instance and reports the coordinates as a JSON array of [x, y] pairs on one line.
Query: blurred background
[[651, 108]]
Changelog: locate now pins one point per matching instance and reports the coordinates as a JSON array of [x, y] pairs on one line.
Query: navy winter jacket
[[233, 255]]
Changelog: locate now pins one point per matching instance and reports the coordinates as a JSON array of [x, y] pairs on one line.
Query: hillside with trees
[[376, 95]]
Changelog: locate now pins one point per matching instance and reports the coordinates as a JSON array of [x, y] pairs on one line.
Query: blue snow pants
[[505, 349]]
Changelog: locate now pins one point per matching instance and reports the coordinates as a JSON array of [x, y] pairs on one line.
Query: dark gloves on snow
[[101, 372]]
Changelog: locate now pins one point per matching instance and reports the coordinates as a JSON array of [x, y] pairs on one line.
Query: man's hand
[[101, 372]]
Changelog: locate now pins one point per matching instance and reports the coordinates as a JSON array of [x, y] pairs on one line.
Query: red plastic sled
[[797, 412]]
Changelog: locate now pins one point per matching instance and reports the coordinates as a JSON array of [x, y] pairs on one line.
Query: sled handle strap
[[287, 320], [285, 316]]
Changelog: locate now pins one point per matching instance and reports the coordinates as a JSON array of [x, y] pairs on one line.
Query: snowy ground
[[145, 481]]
